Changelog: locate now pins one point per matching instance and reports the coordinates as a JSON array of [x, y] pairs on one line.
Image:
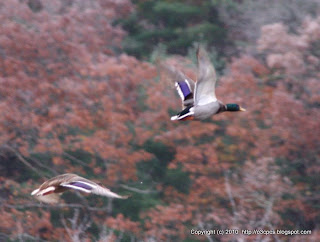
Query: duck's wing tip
[[103, 191], [124, 196]]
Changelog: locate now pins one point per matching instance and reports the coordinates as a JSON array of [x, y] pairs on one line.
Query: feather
[[103, 191], [205, 86], [45, 191]]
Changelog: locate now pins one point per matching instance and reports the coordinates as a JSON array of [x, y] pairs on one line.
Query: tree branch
[[71, 157], [40, 205], [20, 157], [133, 189], [200, 225], [231, 199]]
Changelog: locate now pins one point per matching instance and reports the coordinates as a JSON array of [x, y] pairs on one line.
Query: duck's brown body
[[49, 190]]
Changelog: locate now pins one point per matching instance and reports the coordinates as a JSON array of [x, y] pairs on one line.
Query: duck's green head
[[232, 107]]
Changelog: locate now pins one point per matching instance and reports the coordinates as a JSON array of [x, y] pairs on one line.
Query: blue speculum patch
[[184, 88], [82, 185]]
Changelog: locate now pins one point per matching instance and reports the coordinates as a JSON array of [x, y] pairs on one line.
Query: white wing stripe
[[188, 84], [89, 184], [76, 188], [48, 189], [35, 191], [185, 115]]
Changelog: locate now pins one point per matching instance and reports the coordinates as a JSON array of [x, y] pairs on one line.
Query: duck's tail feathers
[[186, 114], [176, 117]]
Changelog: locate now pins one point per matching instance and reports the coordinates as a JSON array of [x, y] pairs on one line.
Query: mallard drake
[[49, 190], [203, 103]]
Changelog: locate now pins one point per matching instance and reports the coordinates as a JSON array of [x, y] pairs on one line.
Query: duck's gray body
[[202, 112]]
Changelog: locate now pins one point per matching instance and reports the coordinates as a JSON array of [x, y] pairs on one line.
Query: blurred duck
[[203, 103], [49, 191]]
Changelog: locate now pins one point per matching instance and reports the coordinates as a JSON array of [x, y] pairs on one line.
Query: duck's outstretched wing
[[84, 185], [184, 84], [205, 85]]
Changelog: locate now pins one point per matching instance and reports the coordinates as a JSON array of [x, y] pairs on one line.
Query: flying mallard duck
[[48, 191], [203, 103]]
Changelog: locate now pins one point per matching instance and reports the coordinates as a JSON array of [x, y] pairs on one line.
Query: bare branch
[[23, 160], [268, 211], [200, 225], [231, 199], [77, 227], [137, 190], [40, 205], [105, 234], [71, 157]]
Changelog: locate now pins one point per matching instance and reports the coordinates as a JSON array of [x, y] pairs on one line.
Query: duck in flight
[[202, 103], [49, 191]]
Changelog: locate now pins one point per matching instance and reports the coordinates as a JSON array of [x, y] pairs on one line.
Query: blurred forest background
[[80, 92]]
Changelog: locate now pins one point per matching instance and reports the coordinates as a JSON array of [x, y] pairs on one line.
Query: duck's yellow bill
[[242, 109]]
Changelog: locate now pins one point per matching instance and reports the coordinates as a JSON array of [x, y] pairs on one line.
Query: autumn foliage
[[72, 101]]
